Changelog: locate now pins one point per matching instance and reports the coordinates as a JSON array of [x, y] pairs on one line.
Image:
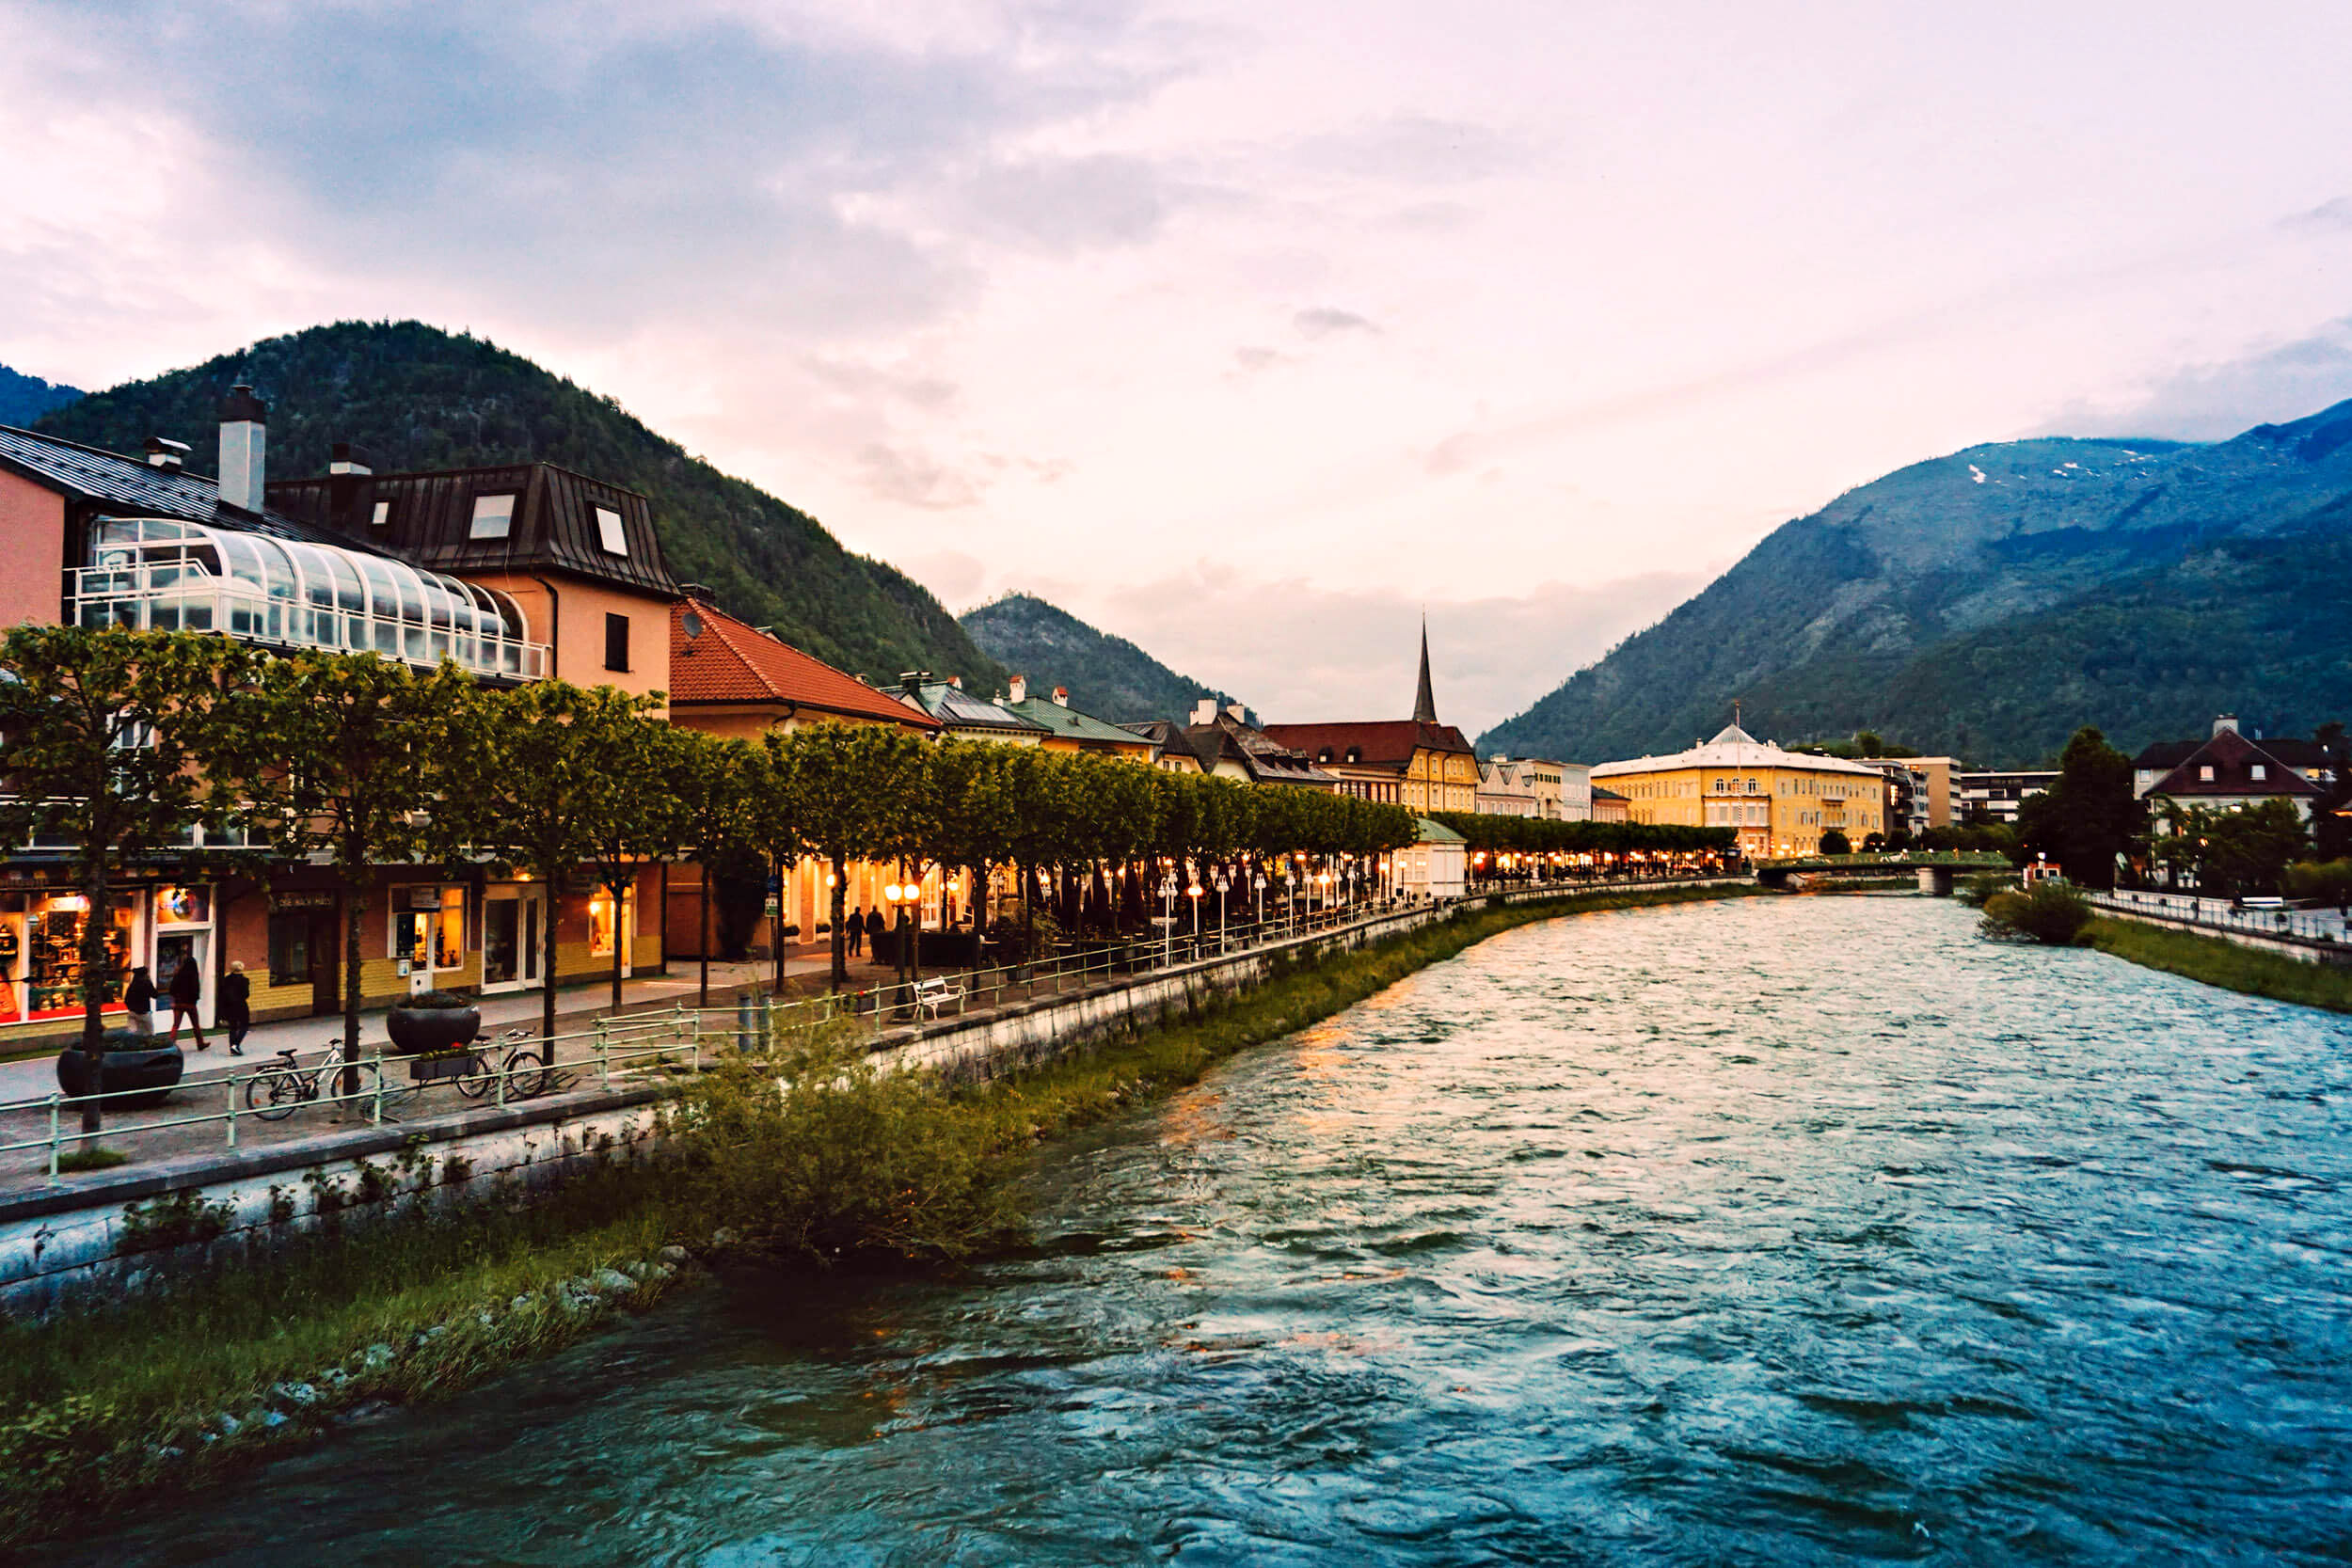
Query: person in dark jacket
[[853, 933], [187, 988], [139, 1001], [875, 926], [236, 1006]]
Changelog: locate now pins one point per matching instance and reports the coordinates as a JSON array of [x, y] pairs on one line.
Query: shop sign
[[303, 898], [424, 897]]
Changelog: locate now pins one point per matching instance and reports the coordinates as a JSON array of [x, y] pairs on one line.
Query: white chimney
[[1061, 695], [244, 439], [2225, 721], [1020, 689], [350, 459], [171, 456], [1204, 711], [1239, 711]]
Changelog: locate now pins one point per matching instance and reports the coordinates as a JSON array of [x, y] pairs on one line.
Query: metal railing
[[2222, 914], [613, 1047]]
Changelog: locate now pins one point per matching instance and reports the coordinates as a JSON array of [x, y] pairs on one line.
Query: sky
[[1248, 332]]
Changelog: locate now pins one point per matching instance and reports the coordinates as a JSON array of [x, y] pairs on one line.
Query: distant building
[[1505, 790], [2229, 772], [1780, 801], [1552, 791], [2306, 757], [966, 717], [1435, 865], [1997, 796], [1416, 763], [1609, 806], [1943, 776], [1069, 730], [1907, 790], [1223, 743]]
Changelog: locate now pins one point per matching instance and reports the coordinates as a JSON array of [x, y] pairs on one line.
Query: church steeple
[[1424, 700]]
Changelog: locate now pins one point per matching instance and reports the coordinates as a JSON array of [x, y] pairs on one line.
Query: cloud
[[1296, 652], [1323, 321], [2330, 217], [914, 478], [2212, 403], [1416, 149]]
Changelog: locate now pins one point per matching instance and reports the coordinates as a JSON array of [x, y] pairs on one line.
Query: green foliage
[[1980, 889], [27, 398], [1493, 832], [2215, 961], [2049, 912], [434, 1000], [90, 1159], [421, 398], [2090, 819], [2320, 881], [169, 1222], [1108, 676], [1834, 842], [2231, 852]]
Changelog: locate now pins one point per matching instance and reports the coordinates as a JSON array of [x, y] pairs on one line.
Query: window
[[2258, 771], [2205, 773], [616, 642], [493, 516], [609, 532], [382, 516]]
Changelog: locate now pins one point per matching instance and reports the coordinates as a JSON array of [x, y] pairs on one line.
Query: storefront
[[40, 947], [605, 918], [428, 935], [514, 936]]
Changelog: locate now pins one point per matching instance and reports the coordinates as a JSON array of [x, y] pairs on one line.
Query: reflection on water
[[1792, 1230]]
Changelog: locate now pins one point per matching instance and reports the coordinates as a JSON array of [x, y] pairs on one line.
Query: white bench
[[936, 993]]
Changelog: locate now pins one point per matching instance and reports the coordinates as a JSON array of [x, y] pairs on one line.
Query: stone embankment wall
[[117, 1233], [2302, 949]]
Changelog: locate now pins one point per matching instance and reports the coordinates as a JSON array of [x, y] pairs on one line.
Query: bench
[[936, 993]]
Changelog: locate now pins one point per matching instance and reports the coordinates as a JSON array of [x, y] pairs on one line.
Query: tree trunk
[[353, 916], [620, 941], [93, 950], [841, 911], [911, 960], [547, 963], [702, 997]]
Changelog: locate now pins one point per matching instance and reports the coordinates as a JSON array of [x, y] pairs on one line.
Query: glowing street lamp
[[1194, 892]]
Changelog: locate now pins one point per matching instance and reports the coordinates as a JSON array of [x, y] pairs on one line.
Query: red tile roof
[[1390, 742], [732, 661]]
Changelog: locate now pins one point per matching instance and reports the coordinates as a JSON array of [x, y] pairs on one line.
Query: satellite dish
[[691, 625]]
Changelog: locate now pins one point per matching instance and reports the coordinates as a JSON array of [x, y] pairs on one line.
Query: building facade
[[1943, 777], [1417, 763], [1996, 795], [1780, 803], [2229, 772]]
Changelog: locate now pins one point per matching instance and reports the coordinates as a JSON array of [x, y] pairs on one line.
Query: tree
[[824, 776], [2331, 813], [349, 758], [713, 779], [903, 799], [2248, 850], [558, 777], [976, 813], [1834, 842], [2089, 819], [112, 744], [771, 837]]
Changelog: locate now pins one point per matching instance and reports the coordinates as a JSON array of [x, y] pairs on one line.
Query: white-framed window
[[609, 534], [2258, 772], [493, 516], [381, 515], [2204, 772]]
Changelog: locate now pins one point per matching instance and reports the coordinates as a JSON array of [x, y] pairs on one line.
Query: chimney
[[955, 681], [1240, 712], [171, 456], [1204, 711], [1061, 695], [350, 459], [349, 491], [1020, 689], [244, 442], [911, 681], [2225, 721]]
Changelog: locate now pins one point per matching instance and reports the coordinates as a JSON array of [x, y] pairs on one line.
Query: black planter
[[132, 1064], [417, 1031]]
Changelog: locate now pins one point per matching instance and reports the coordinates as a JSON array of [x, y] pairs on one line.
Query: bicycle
[[527, 1072], [277, 1091]]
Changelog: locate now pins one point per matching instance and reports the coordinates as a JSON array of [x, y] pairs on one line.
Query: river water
[[1785, 1230]]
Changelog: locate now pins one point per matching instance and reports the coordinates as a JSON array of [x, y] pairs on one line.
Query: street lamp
[[1222, 883], [1257, 885], [1168, 917], [1193, 893]]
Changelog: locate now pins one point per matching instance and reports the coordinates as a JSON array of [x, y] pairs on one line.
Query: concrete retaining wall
[[2301, 949]]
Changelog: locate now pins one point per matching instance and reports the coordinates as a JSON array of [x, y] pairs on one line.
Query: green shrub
[[2049, 912], [434, 1000], [91, 1159], [1976, 891]]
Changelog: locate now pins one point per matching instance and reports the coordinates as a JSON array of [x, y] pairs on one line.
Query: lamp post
[[1257, 885], [1193, 893], [1222, 883], [894, 895], [1168, 916]]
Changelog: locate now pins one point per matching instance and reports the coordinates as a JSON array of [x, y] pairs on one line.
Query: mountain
[[416, 397], [1107, 676], [27, 398], [1989, 602]]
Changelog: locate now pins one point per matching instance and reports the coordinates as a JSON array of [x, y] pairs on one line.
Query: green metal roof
[[1438, 833], [1070, 724]]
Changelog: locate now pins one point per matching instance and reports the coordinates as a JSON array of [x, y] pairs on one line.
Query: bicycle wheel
[[274, 1094], [526, 1074], [476, 1079]]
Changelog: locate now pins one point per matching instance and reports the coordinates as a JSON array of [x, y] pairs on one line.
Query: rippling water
[[1787, 1230]]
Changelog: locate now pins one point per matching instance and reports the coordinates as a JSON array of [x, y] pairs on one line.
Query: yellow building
[[1781, 802]]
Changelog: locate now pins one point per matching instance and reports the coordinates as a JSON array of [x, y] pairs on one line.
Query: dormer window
[[2204, 772], [493, 518], [609, 532], [382, 516], [2259, 772]]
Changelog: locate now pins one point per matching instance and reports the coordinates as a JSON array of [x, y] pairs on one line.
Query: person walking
[[236, 1006], [853, 929], [139, 1001], [875, 926], [187, 988]]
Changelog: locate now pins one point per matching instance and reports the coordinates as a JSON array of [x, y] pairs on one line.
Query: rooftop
[[1733, 747], [715, 657]]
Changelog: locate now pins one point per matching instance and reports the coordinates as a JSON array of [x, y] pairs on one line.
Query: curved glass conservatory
[[162, 574]]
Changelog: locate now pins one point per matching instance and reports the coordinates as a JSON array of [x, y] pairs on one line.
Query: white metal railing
[[185, 595], [2222, 914], [625, 1046]]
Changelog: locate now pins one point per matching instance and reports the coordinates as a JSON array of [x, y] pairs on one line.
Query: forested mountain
[[1107, 676], [416, 397], [27, 398], [1989, 602]]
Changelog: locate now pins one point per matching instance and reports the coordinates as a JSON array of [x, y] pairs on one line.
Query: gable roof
[[135, 488], [957, 710], [2233, 759], [1380, 743], [728, 660], [1734, 747], [1070, 724], [2162, 757]]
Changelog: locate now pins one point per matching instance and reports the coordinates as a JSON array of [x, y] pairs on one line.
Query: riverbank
[[98, 1406], [2215, 961]]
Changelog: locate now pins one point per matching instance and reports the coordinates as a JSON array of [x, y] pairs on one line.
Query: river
[[1787, 1230]]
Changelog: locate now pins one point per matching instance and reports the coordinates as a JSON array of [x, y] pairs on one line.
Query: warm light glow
[[894, 893], [1193, 891]]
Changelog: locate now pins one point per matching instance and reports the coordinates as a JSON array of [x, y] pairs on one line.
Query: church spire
[[1424, 700]]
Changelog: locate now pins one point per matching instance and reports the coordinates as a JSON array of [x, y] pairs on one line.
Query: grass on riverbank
[[101, 1404], [2219, 962]]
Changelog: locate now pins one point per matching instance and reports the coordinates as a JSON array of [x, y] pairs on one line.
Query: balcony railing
[[183, 595]]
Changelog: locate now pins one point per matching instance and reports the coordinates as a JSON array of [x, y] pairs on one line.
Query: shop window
[[46, 931], [429, 926], [600, 921], [290, 949]]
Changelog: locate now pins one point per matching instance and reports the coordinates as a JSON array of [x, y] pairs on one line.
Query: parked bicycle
[[527, 1072], [277, 1091]]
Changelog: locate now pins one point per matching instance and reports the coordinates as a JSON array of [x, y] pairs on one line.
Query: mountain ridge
[[1107, 675], [27, 398]]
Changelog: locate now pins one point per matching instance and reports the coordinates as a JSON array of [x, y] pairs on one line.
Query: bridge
[[1935, 868]]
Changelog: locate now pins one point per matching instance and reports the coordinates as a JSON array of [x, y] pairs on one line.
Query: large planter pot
[[133, 1065], [417, 1031]]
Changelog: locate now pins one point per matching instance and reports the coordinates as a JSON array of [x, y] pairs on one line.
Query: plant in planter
[[128, 1061], [432, 1021]]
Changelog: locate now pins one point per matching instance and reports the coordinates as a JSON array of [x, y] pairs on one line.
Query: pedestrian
[[236, 1006], [187, 987], [855, 932], [139, 1001], [875, 926]]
